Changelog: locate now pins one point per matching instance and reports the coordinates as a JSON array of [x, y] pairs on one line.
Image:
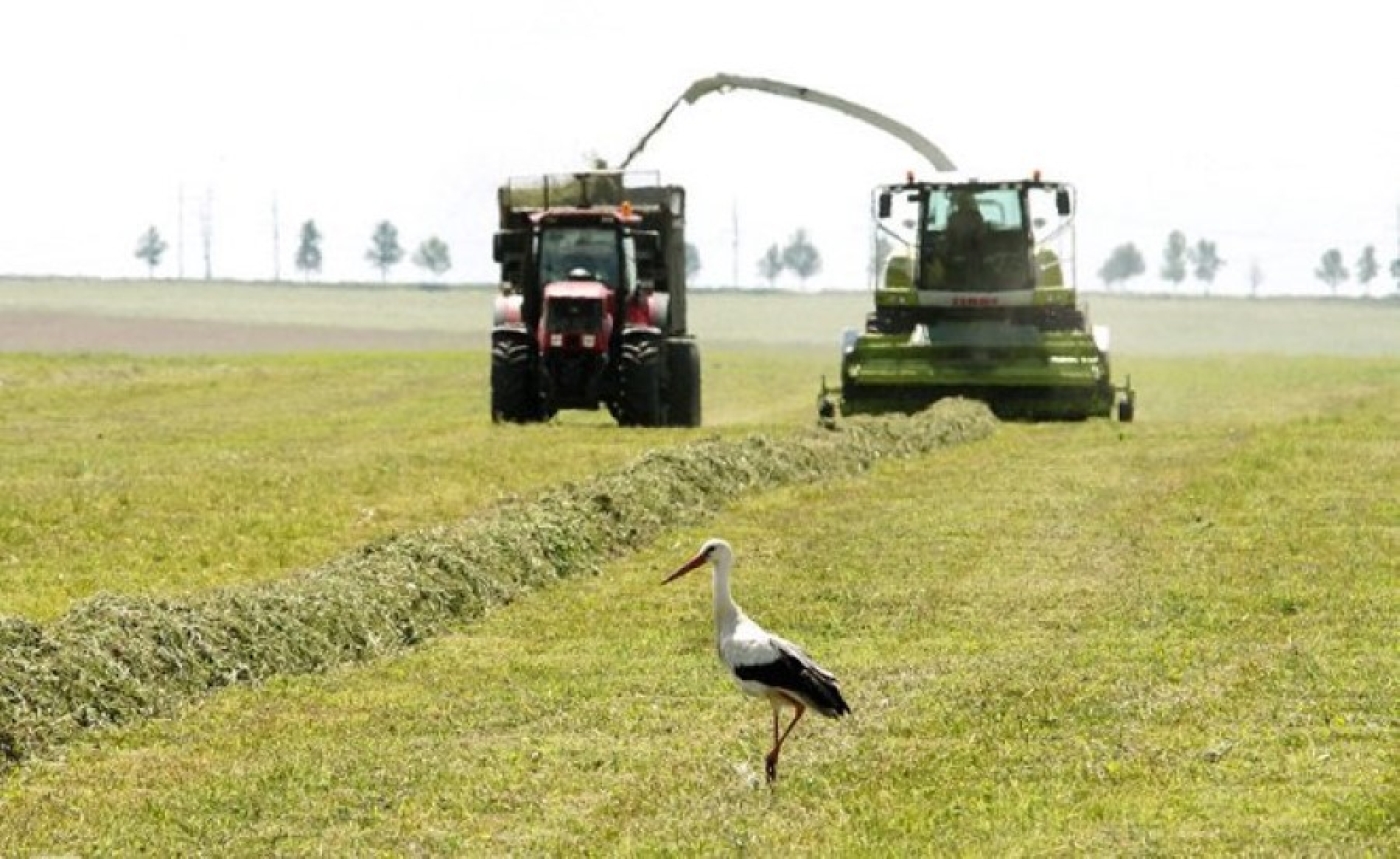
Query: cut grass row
[[112, 660], [164, 476], [1175, 637]]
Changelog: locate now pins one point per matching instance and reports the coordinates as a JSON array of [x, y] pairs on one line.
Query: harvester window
[[998, 208], [975, 239]]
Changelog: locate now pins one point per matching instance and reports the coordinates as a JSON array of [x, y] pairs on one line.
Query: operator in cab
[[967, 230]]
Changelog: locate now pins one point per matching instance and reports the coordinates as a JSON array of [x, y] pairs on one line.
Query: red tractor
[[592, 309]]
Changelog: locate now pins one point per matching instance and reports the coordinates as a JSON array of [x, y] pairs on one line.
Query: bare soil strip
[[53, 331]]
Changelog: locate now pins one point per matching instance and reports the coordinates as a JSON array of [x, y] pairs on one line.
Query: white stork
[[763, 664]]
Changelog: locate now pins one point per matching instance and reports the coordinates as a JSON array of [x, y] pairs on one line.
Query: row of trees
[[1202, 261], [798, 256], [1332, 269], [385, 251]]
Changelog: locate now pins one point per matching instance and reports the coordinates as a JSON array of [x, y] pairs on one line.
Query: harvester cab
[[592, 305], [975, 297]]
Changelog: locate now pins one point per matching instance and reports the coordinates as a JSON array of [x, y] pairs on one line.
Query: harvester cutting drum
[[977, 300]]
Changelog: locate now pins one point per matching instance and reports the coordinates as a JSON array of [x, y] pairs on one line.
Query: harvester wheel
[[682, 383], [513, 397], [640, 371]]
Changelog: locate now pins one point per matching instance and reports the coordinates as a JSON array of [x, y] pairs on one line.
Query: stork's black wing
[[795, 673]]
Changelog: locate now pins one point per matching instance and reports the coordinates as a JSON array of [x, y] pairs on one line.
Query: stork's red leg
[[771, 761]]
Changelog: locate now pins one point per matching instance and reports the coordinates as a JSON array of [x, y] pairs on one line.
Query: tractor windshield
[[565, 250]]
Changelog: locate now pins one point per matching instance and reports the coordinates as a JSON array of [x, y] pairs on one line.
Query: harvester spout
[[726, 83]]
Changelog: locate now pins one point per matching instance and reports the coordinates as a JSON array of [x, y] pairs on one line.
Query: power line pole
[[734, 227], [180, 233], [276, 243], [206, 231]]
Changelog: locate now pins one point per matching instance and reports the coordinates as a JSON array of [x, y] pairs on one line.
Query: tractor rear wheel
[[513, 396], [682, 383], [640, 384]]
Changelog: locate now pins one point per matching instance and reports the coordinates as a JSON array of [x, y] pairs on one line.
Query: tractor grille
[[574, 316]]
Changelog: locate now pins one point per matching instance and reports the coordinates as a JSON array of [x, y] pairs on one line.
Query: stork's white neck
[[727, 614]]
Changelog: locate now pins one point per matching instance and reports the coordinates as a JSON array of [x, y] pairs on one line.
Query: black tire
[[640, 403], [891, 320], [514, 398], [682, 383], [1060, 319], [1125, 411]]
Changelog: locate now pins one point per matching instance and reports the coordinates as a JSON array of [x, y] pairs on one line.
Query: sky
[[1272, 132]]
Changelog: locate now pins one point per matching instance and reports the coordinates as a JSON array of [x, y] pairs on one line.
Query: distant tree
[[433, 255], [1367, 267], [801, 257], [771, 264], [1332, 271], [150, 248], [1256, 278], [1395, 272], [1122, 265], [384, 252], [309, 250], [1174, 258], [1205, 262], [692, 261]]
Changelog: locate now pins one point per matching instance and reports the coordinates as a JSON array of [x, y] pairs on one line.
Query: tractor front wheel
[[513, 395]]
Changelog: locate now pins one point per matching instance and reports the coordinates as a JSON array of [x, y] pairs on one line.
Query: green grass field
[[1175, 637]]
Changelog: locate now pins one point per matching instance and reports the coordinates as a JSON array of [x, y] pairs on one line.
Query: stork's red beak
[[694, 562]]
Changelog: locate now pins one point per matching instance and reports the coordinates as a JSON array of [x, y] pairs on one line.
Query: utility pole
[[180, 233], [206, 231], [276, 243], [734, 227]]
